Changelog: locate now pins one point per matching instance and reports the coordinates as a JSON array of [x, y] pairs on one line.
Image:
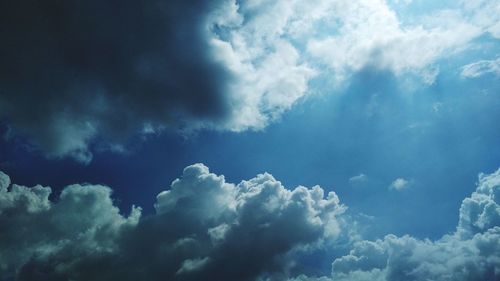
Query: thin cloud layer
[[204, 229]]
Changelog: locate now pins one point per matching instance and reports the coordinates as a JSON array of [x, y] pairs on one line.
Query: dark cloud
[[204, 229], [73, 68]]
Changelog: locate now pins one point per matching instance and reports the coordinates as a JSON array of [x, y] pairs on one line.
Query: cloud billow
[[204, 229]]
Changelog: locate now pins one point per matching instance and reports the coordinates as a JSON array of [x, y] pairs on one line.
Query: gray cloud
[[208, 229], [74, 73], [72, 69], [204, 229]]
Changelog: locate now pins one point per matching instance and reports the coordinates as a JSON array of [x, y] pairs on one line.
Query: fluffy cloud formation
[[204, 229], [471, 253]]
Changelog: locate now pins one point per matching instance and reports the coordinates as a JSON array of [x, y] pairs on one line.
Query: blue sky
[[394, 106]]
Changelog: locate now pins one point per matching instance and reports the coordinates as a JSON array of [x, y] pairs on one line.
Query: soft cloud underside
[[238, 66], [208, 229]]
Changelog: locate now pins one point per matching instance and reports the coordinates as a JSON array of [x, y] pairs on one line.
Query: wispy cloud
[[358, 179], [480, 68]]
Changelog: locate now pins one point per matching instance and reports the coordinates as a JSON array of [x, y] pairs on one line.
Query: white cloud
[[358, 179], [400, 184], [480, 68], [369, 34], [270, 75]]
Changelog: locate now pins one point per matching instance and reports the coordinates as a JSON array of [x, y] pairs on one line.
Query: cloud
[[361, 178], [74, 73], [480, 68], [472, 252], [204, 229], [72, 78], [400, 184], [370, 34]]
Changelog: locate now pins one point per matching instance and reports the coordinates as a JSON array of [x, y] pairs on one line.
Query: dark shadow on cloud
[[71, 69]]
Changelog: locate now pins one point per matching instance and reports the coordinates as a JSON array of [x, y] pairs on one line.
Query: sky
[[250, 140]]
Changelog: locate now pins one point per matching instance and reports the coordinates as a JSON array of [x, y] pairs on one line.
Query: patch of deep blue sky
[[438, 137]]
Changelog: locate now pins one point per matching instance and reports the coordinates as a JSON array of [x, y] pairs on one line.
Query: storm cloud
[[76, 71], [204, 229]]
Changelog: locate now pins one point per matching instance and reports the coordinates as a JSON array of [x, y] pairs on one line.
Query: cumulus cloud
[[208, 229], [480, 68], [83, 221], [472, 252], [204, 229]]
